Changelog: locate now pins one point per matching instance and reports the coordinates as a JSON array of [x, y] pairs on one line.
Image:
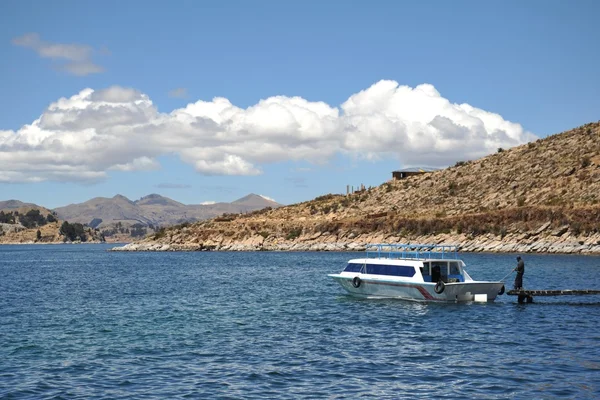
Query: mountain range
[[152, 210]]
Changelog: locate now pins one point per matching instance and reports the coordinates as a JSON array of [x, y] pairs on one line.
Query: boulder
[[560, 231]]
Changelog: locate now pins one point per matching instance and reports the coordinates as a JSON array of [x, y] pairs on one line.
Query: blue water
[[79, 322]]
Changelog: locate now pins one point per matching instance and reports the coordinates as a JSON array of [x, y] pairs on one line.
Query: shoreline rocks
[[483, 244]]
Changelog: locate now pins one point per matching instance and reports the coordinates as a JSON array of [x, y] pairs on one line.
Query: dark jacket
[[520, 267]]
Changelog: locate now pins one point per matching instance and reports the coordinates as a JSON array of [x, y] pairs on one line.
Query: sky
[[206, 101]]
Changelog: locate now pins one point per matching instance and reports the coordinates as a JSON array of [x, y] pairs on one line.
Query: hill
[[19, 206], [30, 223], [543, 197], [119, 215], [255, 202]]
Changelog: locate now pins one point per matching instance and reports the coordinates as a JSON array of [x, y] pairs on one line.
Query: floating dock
[[526, 296]]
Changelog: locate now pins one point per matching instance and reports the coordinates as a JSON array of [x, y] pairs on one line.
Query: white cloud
[[138, 164], [77, 58], [208, 203], [82, 137]]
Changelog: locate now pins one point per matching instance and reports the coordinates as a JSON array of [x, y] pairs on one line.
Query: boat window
[[454, 270], [425, 270], [439, 271], [441, 265], [394, 270], [353, 267]]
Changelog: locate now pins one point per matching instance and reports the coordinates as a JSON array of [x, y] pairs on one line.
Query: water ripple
[[77, 322]]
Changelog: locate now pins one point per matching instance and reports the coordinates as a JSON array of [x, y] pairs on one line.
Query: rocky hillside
[[542, 196], [20, 224]]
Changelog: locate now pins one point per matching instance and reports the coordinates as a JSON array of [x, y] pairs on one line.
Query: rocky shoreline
[[30, 242], [559, 241]]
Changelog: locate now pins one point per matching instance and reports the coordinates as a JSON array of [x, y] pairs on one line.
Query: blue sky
[[314, 95]]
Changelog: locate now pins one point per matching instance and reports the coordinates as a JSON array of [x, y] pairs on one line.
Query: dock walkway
[[527, 295]]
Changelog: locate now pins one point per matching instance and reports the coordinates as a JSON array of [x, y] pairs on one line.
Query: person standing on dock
[[520, 268]]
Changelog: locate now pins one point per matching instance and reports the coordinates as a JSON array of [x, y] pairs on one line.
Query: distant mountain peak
[[17, 204], [12, 203], [121, 197], [256, 200], [157, 199], [152, 196]]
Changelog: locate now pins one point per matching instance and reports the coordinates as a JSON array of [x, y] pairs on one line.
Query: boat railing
[[415, 251]]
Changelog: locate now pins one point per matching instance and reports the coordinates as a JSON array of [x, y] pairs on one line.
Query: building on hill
[[405, 173]]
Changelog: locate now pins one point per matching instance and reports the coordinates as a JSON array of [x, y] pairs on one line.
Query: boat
[[418, 272]]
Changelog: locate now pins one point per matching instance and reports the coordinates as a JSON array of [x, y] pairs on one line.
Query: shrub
[[159, 234], [585, 162], [459, 228], [325, 197], [452, 187], [73, 231], [138, 230], [7, 218], [575, 228], [294, 233], [180, 226], [226, 218], [32, 218]]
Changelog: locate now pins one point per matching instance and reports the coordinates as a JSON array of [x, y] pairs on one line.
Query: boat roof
[[412, 251]]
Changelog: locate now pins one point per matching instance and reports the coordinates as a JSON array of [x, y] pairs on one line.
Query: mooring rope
[[507, 275]]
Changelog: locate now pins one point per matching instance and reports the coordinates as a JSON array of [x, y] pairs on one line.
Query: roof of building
[[417, 169]]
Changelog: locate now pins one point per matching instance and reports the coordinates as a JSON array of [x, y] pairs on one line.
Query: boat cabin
[[422, 263], [431, 270]]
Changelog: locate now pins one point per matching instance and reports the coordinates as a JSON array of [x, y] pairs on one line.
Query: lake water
[[77, 321]]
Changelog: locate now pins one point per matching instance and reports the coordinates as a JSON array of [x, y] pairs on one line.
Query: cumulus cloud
[[75, 59], [94, 131]]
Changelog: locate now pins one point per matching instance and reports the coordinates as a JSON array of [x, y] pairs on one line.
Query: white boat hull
[[420, 291]]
